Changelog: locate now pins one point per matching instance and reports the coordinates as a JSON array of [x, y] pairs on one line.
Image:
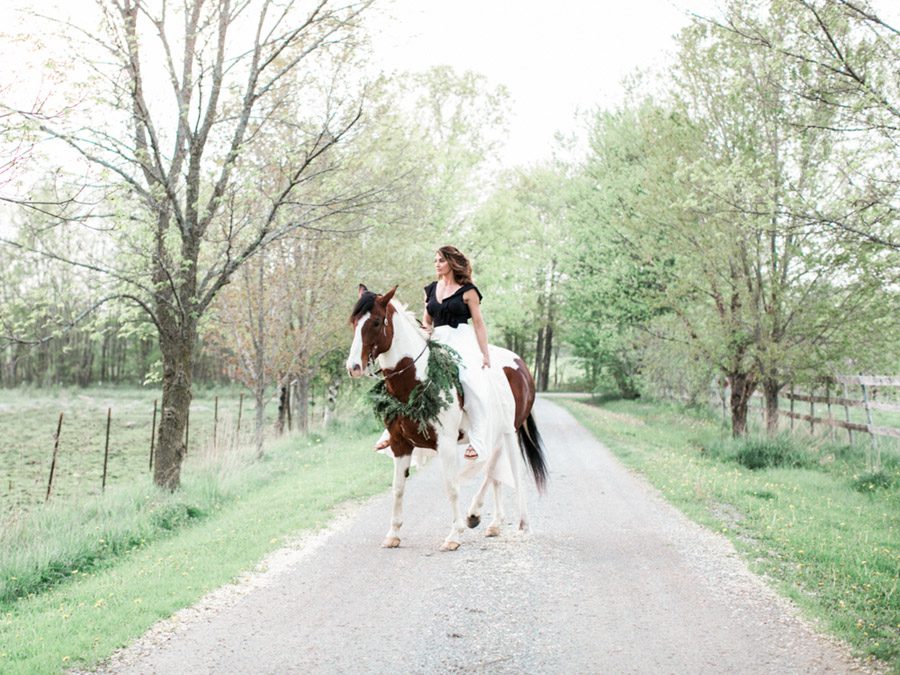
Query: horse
[[384, 332]]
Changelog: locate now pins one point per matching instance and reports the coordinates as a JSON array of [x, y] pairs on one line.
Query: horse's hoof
[[391, 542], [450, 546], [473, 521], [492, 531]]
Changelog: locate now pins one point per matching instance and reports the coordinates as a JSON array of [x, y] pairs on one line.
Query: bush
[[870, 482], [761, 452]]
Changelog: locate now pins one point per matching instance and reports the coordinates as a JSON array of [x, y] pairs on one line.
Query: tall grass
[[92, 578], [798, 508], [62, 540]]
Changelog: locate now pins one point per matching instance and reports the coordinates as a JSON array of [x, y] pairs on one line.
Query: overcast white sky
[[554, 56]]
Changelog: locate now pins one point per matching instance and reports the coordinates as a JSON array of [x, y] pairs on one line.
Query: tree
[[515, 245], [842, 56], [167, 161], [423, 141]]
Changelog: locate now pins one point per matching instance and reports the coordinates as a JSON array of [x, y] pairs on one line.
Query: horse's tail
[[532, 448]]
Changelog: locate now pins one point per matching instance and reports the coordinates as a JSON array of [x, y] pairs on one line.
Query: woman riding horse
[[449, 304]]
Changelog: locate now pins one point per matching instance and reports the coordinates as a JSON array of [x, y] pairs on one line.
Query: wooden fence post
[[828, 403], [792, 408], [725, 404], [240, 410], [153, 434], [812, 410], [53, 461], [875, 450], [215, 422], [106, 449], [847, 414]]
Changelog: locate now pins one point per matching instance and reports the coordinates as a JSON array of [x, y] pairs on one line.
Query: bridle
[[371, 361], [375, 373]]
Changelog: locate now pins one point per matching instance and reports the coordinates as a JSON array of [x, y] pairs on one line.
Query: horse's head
[[373, 330]]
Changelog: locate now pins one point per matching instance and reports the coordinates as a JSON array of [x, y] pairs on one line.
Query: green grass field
[[28, 421], [825, 539]]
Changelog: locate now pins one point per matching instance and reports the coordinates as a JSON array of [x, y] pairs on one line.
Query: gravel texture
[[612, 580]]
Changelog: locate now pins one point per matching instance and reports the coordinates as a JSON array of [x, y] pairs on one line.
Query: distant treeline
[[89, 357]]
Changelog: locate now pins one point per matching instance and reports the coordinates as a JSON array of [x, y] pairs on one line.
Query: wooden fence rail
[[865, 383]]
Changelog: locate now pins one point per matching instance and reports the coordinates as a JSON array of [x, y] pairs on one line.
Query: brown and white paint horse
[[385, 333]]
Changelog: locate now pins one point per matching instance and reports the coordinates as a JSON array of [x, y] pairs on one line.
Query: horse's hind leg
[[474, 515], [519, 478], [401, 473], [493, 530]]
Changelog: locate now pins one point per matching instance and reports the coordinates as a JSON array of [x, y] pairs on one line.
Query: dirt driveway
[[613, 580]]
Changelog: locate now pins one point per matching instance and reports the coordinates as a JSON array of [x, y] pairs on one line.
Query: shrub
[[870, 482], [756, 452]]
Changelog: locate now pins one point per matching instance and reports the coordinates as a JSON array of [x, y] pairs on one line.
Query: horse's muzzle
[[355, 370]]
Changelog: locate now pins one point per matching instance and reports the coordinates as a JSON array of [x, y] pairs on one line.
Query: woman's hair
[[462, 268]]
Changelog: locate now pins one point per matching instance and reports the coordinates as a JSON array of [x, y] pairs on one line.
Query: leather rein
[[397, 372]]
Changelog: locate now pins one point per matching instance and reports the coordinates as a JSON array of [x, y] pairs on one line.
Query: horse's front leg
[[450, 461], [401, 473]]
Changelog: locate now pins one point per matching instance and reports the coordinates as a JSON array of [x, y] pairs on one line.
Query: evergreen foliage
[[428, 398]]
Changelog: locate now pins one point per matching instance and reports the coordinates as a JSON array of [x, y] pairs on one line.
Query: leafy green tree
[[167, 157], [518, 237]]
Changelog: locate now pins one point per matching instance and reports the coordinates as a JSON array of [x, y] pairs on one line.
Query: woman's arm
[[471, 299]]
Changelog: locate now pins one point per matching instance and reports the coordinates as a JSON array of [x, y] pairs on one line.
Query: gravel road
[[612, 580]]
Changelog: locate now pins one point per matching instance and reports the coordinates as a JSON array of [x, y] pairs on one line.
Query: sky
[[556, 58]]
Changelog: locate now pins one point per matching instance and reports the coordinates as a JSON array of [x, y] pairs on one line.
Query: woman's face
[[441, 266]]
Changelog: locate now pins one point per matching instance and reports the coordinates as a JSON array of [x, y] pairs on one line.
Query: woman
[[449, 304]]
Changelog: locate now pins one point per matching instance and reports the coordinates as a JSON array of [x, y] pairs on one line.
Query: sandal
[[470, 453]]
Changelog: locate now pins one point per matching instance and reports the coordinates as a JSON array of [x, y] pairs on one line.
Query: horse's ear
[[386, 298], [362, 289]]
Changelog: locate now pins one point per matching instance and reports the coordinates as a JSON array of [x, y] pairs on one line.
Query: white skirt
[[489, 404]]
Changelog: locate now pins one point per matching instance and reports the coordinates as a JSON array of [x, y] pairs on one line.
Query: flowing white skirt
[[489, 404]]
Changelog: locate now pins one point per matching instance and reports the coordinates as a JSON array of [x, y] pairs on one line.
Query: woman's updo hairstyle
[[462, 268]]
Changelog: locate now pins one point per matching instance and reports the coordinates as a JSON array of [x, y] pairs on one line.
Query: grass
[[809, 520], [28, 421], [79, 583]]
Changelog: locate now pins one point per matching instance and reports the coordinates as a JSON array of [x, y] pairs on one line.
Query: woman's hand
[[485, 361]]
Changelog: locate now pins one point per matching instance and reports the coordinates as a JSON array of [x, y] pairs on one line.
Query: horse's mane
[[367, 301], [365, 304], [409, 318]]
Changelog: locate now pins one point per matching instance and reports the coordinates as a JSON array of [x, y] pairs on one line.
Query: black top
[[453, 310]]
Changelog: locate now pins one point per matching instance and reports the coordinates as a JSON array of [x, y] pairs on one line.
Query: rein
[[396, 372]]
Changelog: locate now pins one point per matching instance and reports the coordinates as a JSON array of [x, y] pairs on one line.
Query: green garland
[[428, 398]]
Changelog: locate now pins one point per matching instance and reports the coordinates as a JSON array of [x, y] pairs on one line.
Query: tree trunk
[[334, 387], [742, 386], [284, 403], [303, 387], [177, 352], [538, 357], [546, 358], [771, 389]]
